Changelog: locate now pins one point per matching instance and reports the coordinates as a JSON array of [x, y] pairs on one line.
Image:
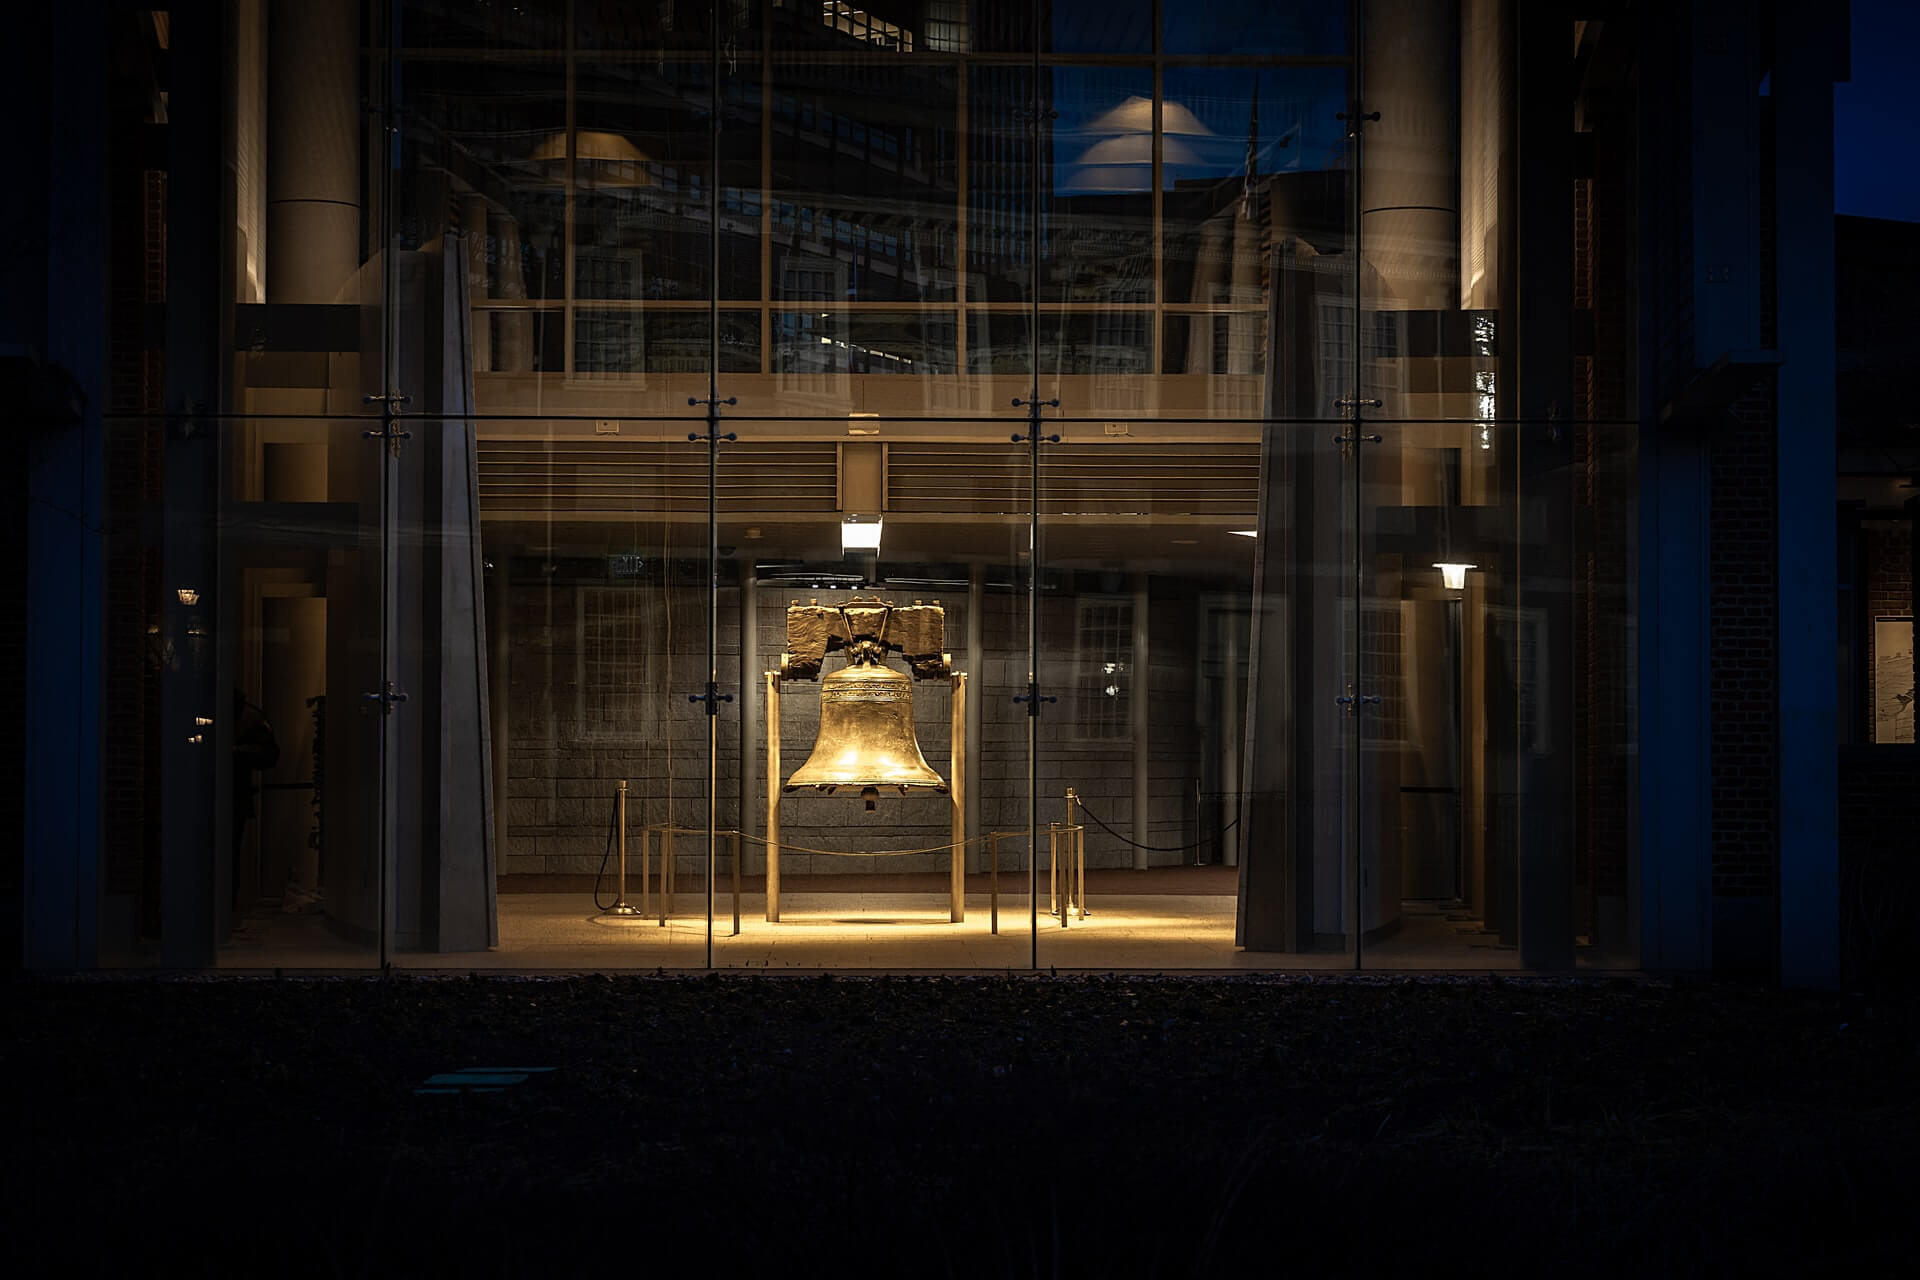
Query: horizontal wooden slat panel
[[1218, 479], [612, 476]]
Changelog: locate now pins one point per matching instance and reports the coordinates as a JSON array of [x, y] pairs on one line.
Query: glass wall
[[935, 485]]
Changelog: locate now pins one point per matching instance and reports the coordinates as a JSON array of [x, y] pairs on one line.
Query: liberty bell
[[866, 738]]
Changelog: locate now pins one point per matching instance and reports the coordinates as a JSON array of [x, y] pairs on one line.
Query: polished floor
[[1156, 923]]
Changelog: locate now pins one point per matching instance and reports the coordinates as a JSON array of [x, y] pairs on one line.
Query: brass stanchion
[[1077, 849], [1059, 878], [620, 905]]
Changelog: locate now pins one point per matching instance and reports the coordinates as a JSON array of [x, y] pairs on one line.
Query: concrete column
[[1409, 188], [195, 840], [1140, 722], [60, 265], [513, 353], [313, 153], [499, 599], [479, 284], [1230, 735], [1805, 68], [1543, 353]]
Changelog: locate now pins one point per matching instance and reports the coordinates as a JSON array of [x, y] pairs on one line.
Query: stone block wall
[[599, 674]]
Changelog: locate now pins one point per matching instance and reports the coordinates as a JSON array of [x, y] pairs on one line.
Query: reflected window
[[1103, 667], [864, 342], [633, 340], [864, 183]]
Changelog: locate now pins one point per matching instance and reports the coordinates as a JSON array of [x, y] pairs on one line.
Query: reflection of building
[[1579, 750]]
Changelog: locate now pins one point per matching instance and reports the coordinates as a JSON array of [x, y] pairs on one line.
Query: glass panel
[[1240, 27], [1097, 207], [1097, 159], [1243, 149], [915, 342], [1063, 26], [1501, 649], [642, 162], [549, 623], [485, 157], [452, 24], [859, 886], [864, 182], [239, 810], [632, 340], [668, 26]]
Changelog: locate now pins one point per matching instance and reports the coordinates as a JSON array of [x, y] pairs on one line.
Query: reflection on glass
[[864, 183], [668, 26], [1300, 27], [449, 24], [861, 341], [1217, 342], [1250, 155], [1095, 190], [1061, 26], [1097, 185], [1260, 663], [643, 163], [1112, 341], [633, 340]]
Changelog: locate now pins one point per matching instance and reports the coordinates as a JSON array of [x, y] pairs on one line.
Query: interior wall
[[599, 676]]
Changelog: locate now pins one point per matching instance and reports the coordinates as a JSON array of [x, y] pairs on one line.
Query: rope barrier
[[1155, 848], [833, 853]]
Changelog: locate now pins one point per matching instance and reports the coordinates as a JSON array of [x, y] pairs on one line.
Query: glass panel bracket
[[389, 407], [388, 698], [1348, 701], [1033, 407], [714, 436]]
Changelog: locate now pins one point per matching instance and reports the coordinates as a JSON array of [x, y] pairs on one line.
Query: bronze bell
[[866, 732]]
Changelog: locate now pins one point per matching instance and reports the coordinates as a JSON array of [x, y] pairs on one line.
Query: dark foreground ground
[[955, 1127]]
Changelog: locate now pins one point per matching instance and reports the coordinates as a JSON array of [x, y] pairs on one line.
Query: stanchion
[[1077, 849], [1059, 878], [620, 906]]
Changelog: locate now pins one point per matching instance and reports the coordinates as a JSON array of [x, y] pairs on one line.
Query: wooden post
[[773, 797], [993, 879], [958, 773], [669, 872]]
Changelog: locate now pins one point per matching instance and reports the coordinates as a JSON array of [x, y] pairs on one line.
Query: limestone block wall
[[599, 674]]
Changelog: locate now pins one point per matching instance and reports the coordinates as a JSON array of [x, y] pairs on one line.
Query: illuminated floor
[[893, 931]]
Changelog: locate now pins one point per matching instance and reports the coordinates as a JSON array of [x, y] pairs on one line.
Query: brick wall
[[598, 681]]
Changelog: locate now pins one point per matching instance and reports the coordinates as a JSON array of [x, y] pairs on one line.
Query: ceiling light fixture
[[859, 534]]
